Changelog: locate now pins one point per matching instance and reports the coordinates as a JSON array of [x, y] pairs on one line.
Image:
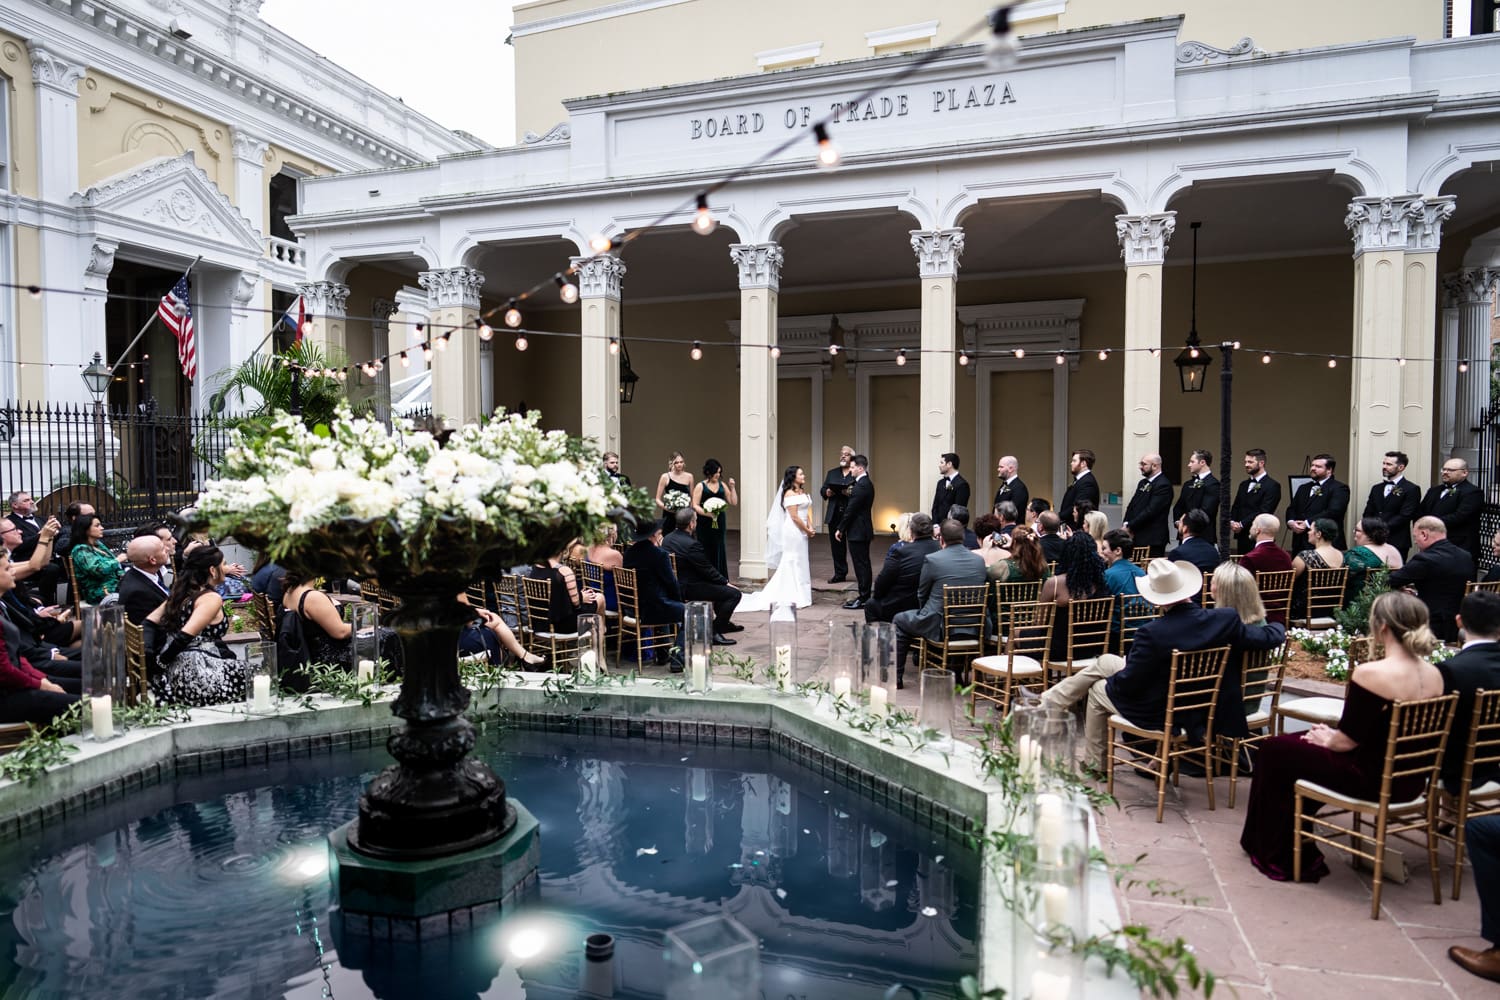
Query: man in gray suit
[[952, 565]]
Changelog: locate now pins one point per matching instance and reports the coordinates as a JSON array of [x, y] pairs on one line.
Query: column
[[599, 280], [1379, 227], [1476, 306], [250, 178], [249, 328], [453, 297], [91, 304], [937, 253], [1448, 373], [381, 311], [760, 285], [412, 308], [1143, 245], [1419, 333], [326, 303], [63, 258]]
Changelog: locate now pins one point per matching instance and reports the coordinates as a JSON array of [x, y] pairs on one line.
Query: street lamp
[[96, 377], [1192, 363]]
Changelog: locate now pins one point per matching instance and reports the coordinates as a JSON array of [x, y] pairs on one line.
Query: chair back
[[1089, 623], [963, 610], [1414, 745], [593, 576], [1134, 611], [1483, 746], [136, 682], [1261, 674], [1030, 630], [1194, 684], [576, 565], [537, 600], [673, 557], [1141, 555], [1493, 586], [1275, 587], [478, 593], [1007, 595], [508, 595], [73, 588], [628, 594], [13, 734], [1325, 591], [263, 617]]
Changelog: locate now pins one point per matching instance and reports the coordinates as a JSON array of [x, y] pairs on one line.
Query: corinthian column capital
[[599, 277], [50, 68], [1406, 222], [759, 264], [1144, 238], [1476, 284], [325, 298], [452, 286], [937, 251]]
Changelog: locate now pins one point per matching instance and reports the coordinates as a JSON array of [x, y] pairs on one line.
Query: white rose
[[323, 459]]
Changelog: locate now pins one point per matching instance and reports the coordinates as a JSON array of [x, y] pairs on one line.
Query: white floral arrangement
[[1334, 644], [675, 500], [503, 483], [714, 505]]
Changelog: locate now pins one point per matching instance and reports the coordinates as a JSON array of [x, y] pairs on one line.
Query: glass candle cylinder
[[712, 958], [844, 638], [104, 678], [938, 708], [781, 634], [1052, 901], [590, 668], [260, 662], [364, 617], [878, 665], [1046, 743], [697, 646]]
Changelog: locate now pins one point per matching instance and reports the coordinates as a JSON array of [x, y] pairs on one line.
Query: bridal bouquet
[[714, 505], [675, 500], [399, 497]]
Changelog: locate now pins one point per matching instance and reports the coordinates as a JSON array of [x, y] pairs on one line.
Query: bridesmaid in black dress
[[1348, 759], [711, 535], [675, 480]]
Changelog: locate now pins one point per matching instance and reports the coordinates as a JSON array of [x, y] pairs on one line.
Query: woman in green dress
[[1372, 550], [96, 569], [713, 525]]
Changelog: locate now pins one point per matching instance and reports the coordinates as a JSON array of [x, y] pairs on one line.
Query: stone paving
[[1263, 938]]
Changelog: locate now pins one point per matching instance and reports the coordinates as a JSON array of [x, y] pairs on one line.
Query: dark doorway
[[134, 293], [1173, 461]]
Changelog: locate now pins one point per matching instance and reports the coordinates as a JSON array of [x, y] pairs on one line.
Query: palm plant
[[269, 376]]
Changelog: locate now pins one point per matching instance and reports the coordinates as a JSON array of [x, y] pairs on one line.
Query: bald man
[[142, 587], [1147, 516], [1008, 471], [1438, 573]]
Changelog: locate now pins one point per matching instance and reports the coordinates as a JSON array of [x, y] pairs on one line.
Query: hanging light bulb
[[833, 350], [368, 369], [1333, 362], [566, 290], [697, 352], [419, 328], [34, 291], [1236, 345], [427, 351], [704, 221], [963, 358], [901, 357], [441, 343], [1001, 50], [775, 352], [1401, 362], [379, 364], [1265, 359], [1060, 359], [1193, 352], [600, 243], [1463, 366], [486, 332], [614, 345], [521, 342], [1104, 354], [1019, 353], [405, 361], [829, 156], [512, 315], [343, 374]]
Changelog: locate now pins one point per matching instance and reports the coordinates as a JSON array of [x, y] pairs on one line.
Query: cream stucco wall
[[707, 39], [121, 126], [15, 64]]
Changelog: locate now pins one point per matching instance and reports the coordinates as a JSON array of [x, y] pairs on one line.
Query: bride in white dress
[[788, 527]]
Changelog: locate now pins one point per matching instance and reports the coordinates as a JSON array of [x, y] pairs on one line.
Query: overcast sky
[[446, 58]]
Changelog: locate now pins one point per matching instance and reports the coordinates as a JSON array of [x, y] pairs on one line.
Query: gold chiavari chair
[[645, 636], [1028, 631], [1325, 595], [560, 648], [1482, 751], [1276, 591], [1261, 674], [1134, 611], [963, 621], [136, 682], [1004, 597], [1088, 631], [1493, 586], [594, 578]]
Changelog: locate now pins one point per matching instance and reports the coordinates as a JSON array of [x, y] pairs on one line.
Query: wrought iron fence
[[132, 465], [1485, 473]]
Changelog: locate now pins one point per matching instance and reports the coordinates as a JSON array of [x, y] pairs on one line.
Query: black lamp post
[[96, 379]]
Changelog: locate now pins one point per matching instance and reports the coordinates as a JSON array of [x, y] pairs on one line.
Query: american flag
[[178, 317]]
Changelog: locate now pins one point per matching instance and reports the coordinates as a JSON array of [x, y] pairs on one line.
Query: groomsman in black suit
[[1395, 500], [1458, 503], [857, 529], [952, 489], [1011, 488], [1146, 514], [836, 492], [1323, 497], [1258, 494], [1083, 487], [1200, 492]]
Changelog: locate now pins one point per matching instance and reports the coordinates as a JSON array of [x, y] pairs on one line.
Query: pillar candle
[[700, 672], [588, 666], [1049, 829], [877, 700], [1055, 903], [841, 687], [102, 715], [366, 672], [261, 698]]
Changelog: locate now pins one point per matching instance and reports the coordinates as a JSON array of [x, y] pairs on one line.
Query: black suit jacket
[[1146, 514], [834, 485], [1398, 510], [1460, 512], [1052, 546], [655, 582], [1084, 488], [948, 495], [1201, 553], [1017, 494], [1331, 501], [1439, 574], [1248, 503], [1475, 669], [896, 586], [855, 523], [139, 595], [693, 567], [1200, 494]]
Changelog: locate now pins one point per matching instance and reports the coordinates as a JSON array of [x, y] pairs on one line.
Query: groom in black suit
[[857, 529], [952, 489], [836, 491]]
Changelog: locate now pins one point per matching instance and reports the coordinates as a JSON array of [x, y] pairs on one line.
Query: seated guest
[[1048, 535], [895, 589], [194, 666], [1437, 573], [1136, 686], [699, 578], [1476, 668], [48, 625], [960, 513], [990, 549], [142, 588], [1021, 560], [1482, 836], [66, 671], [488, 635], [26, 694], [31, 558], [1348, 758], [1035, 508], [1371, 551], [1193, 529], [1096, 525], [904, 534], [1322, 553], [570, 598], [169, 544], [1232, 586], [325, 634], [1079, 577], [1008, 515], [604, 554], [1494, 571], [657, 589], [1265, 556], [1120, 574], [97, 569], [952, 565], [268, 578]]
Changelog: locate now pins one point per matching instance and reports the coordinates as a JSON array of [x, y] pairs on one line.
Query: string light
[[1156, 352], [1333, 362], [1019, 352], [1060, 359], [901, 357], [1401, 362], [566, 290], [1104, 354], [521, 342], [614, 345], [427, 350], [1463, 366], [1265, 359], [829, 156], [1193, 352], [405, 361], [419, 327], [343, 375], [486, 332], [775, 352], [600, 243], [1002, 49], [963, 358], [512, 315], [1236, 345], [833, 350], [441, 343], [697, 352], [703, 220]]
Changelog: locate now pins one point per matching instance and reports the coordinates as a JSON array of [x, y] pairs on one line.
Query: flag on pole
[[178, 317], [296, 318]]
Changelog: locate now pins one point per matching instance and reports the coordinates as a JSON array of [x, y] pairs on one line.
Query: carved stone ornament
[[1406, 222], [249, 147], [101, 259], [175, 193], [937, 251], [325, 298], [759, 264], [1452, 290], [599, 277], [1195, 52], [52, 70], [1477, 284], [561, 132], [246, 284], [1144, 238], [381, 311], [452, 287]]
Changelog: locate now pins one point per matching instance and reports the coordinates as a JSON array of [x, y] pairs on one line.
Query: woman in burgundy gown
[[1349, 758]]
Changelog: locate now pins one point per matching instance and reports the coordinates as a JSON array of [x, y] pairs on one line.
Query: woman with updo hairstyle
[[1347, 758], [677, 479], [1097, 526], [193, 665], [711, 529], [1233, 586], [1372, 550]]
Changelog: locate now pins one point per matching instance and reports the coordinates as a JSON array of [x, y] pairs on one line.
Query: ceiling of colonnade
[[1478, 192], [1289, 215]]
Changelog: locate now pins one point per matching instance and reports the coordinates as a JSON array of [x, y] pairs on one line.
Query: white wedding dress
[[792, 580]]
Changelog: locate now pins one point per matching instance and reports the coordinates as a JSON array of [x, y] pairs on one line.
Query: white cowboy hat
[[1168, 581]]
